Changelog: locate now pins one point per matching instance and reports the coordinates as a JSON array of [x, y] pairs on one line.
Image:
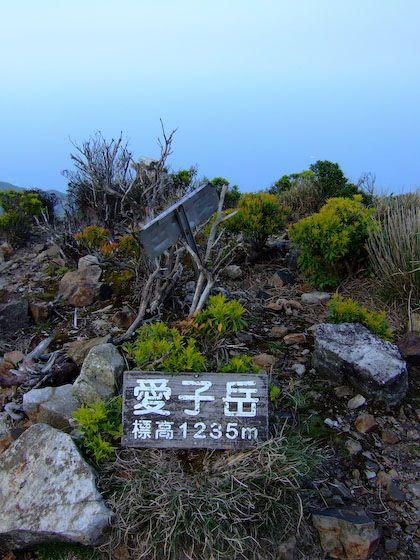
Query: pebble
[[356, 402], [294, 338], [391, 545], [264, 360], [278, 331], [365, 423], [395, 493], [370, 474], [353, 447], [299, 369], [331, 423], [389, 436], [342, 391], [415, 489]]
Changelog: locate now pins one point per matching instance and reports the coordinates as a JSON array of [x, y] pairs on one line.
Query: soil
[[378, 478]]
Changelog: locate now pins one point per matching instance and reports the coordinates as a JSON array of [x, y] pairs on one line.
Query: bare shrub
[[202, 504], [394, 245], [304, 198]]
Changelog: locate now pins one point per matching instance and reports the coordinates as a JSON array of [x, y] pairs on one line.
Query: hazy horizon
[[255, 90]]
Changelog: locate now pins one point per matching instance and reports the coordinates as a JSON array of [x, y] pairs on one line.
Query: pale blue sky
[[256, 88]]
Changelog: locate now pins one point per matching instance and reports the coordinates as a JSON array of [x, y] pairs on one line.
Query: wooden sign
[[178, 220], [194, 410]]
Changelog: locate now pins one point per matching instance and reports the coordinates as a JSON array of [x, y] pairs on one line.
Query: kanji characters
[[239, 400], [152, 394], [164, 430], [142, 429], [197, 397]]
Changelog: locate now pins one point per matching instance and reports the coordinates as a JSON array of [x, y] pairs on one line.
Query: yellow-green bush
[[332, 242], [19, 209], [348, 311], [93, 237], [259, 216]]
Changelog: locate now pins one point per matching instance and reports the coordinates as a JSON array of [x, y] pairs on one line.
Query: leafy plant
[[157, 347], [274, 393], [19, 210], [100, 424], [332, 242], [240, 363], [348, 311], [259, 216], [220, 317], [93, 237]]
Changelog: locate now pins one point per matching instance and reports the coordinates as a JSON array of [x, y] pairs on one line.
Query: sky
[[255, 89]]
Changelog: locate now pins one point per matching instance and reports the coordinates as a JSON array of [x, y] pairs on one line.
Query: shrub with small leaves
[[220, 317], [93, 237], [19, 210], [158, 348], [348, 311], [259, 216], [332, 242], [100, 425], [240, 363]]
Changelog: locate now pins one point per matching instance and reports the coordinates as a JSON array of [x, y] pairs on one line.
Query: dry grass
[[208, 505], [304, 198], [394, 248]]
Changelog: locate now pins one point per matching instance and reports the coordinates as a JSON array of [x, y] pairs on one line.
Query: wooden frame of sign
[[194, 410]]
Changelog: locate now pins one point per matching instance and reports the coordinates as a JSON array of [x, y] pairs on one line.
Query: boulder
[[346, 533], [100, 374], [40, 311], [13, 314], [280, 278], [51, 405], [48, 492], [81, 287], [77, 351], [86, 261], [350, 353]]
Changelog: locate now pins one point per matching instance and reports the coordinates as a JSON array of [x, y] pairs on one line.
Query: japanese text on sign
[[194, 410]]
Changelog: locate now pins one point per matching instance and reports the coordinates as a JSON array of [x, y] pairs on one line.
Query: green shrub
[[348, 311], [332, 242], [240, 363], [93, 237], [19, 210], [394, 246], [220, 317], [158, 348], [259, 216], [100, 424]]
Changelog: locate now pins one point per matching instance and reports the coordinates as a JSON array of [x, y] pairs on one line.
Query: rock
[[353, 447], [391, 545], [264, 360], [8, 378], [300, 369], [414, 489], [278, 331], [233, 271], [6, 249], [13, 314], [63, 374], [351, 353], [48, 492], [346, 533], [51, 405], [81, 287], [343, 391], [389, 436], [40, 311], [291, 259], [395, 493], [100, 374], [315, 298], [280, 278], [86, 261], [5, 425], [123, 318], [365, 423], [294, 338], [261, 294], [356, 402], [286, 550], [409, 347], [244, 337], [14, 357], [77, 351]]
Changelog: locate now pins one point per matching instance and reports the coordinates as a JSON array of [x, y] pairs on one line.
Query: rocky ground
[[372, 452]]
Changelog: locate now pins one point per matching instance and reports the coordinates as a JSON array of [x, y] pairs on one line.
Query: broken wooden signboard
[[194, 410]]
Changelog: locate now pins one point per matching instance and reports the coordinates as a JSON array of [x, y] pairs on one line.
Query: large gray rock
[[350, 354], [51, 405], [100, 374], [48, 492], [14, 314]]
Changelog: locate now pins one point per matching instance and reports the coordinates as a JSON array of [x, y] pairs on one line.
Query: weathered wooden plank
[[194, 410]]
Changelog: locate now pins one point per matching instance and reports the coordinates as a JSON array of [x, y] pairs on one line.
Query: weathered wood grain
[[194, 410]]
